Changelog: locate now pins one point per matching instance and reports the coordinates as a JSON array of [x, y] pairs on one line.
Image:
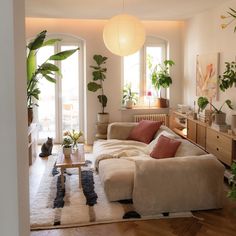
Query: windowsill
[[144, 108]]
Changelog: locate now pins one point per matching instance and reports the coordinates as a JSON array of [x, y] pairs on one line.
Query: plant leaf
[[229, 103], [62, 55], [38, 41], [50, 42], [103, 100], [49, 66], [50, 79], [93, 87]]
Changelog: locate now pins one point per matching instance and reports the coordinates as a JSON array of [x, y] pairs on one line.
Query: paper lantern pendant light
[[123, 35]]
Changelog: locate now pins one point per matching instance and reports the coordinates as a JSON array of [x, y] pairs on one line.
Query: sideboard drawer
[[219, 145]]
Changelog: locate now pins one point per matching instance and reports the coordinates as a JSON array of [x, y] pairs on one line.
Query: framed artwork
[[207, 75]]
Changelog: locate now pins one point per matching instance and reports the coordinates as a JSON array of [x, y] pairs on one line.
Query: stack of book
[[205, 116]]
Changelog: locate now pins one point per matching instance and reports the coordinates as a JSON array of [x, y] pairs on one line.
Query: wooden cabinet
[[192, 130], [32, 142], [220, 145]]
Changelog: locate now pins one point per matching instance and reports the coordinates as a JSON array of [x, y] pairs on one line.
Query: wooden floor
[[206, 223]]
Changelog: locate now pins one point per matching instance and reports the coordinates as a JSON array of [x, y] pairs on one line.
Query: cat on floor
[[46, 149]]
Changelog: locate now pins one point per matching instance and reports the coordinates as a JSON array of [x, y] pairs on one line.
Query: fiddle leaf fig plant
[[228, 79], [46, 70], [99, 75], [203, 102]]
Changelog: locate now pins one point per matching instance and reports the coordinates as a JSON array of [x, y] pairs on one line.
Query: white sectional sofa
[[192, 180]]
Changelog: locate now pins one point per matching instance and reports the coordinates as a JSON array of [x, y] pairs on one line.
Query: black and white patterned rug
[[54, 207]]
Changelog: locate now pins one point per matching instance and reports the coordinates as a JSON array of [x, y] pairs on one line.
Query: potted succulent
[[161, 79], [46, 70], [67, 145], [99, 75], [219, 116], [129, 98]]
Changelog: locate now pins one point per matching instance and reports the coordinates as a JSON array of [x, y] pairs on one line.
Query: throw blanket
[[114, 148]]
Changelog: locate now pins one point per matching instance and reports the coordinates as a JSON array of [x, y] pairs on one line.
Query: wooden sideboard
[[221, 144], [32, 142]]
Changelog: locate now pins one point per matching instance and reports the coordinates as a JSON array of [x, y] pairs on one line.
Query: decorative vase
[[219, 118], [129, 104], [67, 151], [103, 117]]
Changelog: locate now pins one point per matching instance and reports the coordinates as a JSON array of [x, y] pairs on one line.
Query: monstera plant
[[47, 70]]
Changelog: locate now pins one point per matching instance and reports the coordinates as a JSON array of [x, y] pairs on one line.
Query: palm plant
[[128, 95], [46, 70]]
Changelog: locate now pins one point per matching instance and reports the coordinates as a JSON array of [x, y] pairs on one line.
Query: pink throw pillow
[[165, 148], [145, 131]]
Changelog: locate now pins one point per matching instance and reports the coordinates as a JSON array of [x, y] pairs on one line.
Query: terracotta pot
[[103, 117], [30, 116], [162, 103]]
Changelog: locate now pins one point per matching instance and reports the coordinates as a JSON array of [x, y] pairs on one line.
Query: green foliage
[[160, 75], [232, 193], [203, 102], [46, 70], [67, 141], [129, 95], [231, 16], [229, 76], [99, 75]]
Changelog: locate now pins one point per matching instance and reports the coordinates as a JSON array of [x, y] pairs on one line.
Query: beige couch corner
[[178, 184]]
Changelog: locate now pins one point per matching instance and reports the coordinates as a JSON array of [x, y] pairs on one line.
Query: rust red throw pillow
[[145, 131], [165, 147]]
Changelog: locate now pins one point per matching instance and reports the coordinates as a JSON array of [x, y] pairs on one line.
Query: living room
[[200, 33]]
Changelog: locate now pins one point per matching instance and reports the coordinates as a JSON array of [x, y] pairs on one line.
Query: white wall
[[14, 168], [203, 34], [91, 31]]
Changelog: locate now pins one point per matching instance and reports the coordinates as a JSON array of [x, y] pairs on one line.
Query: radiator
[[154, 117]]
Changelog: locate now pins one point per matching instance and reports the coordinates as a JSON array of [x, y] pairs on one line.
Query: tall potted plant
[[219, 116], [99, 75], [46, 70], [161, 79]]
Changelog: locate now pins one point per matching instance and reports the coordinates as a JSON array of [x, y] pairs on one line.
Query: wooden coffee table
[[76, 160]]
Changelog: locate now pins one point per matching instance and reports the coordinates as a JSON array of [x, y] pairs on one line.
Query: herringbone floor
[[207, 223]]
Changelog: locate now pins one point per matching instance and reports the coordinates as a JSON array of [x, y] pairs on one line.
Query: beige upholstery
[[117, 176], [178, 184], [193, 180], [120, 130]]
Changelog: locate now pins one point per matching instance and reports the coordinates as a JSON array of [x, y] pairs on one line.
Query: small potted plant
[[99, 75], [161, 79], [219, 116], [129, 98], [74, 135], [67, 145]]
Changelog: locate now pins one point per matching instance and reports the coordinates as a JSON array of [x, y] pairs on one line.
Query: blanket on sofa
[[114, 148]]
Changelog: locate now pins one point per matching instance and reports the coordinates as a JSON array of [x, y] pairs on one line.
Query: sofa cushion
[[188, 149], [117, 177], [144, 131], [165, 147]]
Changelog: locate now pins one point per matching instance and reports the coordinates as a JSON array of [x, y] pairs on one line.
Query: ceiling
[[104, 9]]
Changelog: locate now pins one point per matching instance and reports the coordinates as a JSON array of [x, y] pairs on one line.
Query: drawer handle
[[217, 136], [217, 149]]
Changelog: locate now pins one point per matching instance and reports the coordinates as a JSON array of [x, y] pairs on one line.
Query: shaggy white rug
[[54, 208]]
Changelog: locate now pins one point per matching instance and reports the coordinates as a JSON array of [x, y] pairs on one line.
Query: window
[[137, 68], [60, 105]]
